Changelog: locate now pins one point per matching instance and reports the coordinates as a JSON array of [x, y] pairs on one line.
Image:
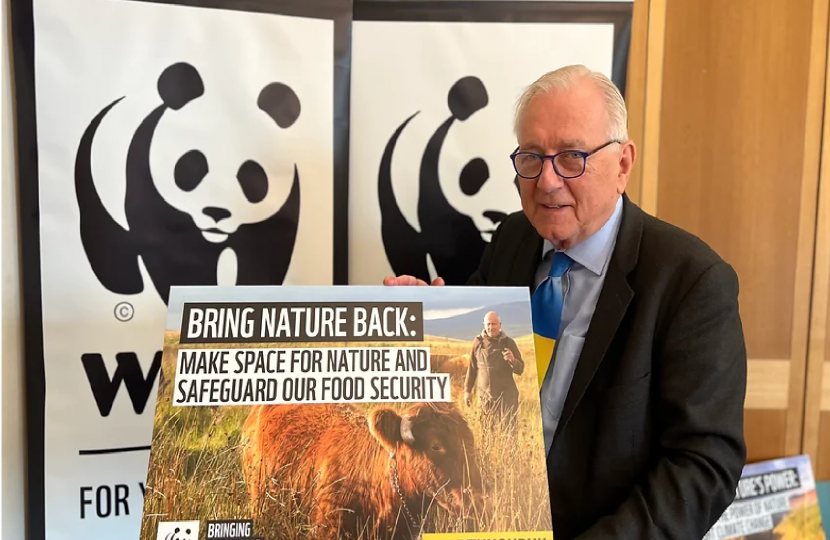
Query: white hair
[[563, 79]]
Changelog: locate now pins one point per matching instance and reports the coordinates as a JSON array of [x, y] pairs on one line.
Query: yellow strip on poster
[[505, 535]]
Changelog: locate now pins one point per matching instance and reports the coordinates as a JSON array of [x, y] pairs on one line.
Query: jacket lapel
[[613, 302]]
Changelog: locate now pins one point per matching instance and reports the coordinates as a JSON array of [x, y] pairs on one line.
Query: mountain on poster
[[775, 500], [347, 412]]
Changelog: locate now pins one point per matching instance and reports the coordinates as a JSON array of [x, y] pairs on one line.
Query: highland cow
[[369, 476]]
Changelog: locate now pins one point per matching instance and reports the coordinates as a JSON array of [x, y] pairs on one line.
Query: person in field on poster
[[494, 360], [642, 403]]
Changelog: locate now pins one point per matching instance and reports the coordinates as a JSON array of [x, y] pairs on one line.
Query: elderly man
[[642, 403], [494, 359]]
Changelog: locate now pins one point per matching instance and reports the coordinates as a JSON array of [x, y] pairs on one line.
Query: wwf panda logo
[[177, 247], [450, 239]]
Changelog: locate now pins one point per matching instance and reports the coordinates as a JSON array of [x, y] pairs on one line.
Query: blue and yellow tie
[[546, 309], [546, 306]]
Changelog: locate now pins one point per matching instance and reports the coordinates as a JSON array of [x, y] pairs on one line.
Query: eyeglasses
[[567, 164]]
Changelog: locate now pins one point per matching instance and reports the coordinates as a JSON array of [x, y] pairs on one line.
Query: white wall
[[13, 437]]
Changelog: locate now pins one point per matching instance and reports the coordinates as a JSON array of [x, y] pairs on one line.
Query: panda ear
[[281, 103], [467, 96], [179, 84]]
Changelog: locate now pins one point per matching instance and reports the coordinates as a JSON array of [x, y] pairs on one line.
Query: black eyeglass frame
[[542, 158]]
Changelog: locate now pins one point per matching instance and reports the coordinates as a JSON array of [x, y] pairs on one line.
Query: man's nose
[[548, 180]]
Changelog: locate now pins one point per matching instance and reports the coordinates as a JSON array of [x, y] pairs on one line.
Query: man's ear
[[628, 154], [385, 426]]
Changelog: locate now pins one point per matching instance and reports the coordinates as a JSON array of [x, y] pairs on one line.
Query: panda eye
[[473, 176], [190, 170], [253, 180]]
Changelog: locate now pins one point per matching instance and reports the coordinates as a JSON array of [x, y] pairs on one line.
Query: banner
[[218, 142], [433, 91], [347, 412], [160, 144]]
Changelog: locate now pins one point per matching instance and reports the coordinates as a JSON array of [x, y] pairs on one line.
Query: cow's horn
[[406, 430]]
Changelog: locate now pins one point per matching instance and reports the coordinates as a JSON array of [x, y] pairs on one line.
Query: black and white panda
[[246, 202], [454, 224]]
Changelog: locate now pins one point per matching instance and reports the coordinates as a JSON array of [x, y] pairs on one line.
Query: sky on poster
[[439, 302]]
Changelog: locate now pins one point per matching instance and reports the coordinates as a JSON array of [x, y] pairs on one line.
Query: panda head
[[221, 156], [476, 176], [455, 151]]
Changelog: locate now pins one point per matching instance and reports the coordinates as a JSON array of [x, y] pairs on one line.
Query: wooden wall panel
[[739, 138], [650, 152], [765, 433], [636, 96], [816, 438], [635, 91], [821, 459]]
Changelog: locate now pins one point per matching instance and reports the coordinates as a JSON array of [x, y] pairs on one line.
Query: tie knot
[[560, 264]]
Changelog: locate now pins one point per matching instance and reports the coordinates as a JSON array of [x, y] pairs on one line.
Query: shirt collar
[[594, 252]]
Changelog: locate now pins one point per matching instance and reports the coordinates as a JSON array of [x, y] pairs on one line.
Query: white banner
[[430, 172], [175, 145]]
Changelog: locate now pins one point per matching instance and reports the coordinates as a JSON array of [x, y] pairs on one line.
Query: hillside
[[515, 318]]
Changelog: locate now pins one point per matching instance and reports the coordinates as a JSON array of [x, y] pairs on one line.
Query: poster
[[434, 88], [775, 500], [347, 412], [162, 144]]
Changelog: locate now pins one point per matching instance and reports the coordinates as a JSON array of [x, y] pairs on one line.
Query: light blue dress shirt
[[585, 279]]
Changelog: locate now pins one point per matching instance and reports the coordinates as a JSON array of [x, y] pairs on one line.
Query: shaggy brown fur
[[339, 462]]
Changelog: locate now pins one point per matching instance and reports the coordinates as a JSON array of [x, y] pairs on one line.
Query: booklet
[[347, 412], [775, 500]]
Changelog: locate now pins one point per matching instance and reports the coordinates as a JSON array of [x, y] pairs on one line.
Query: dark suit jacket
[[650, 444]]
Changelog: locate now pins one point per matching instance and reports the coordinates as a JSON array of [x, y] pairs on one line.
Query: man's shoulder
[[667, 244], [674, 258], [658, 249], [661, 241]]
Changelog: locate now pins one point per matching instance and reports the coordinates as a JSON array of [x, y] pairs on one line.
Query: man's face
[[492, 325], [574, 119]]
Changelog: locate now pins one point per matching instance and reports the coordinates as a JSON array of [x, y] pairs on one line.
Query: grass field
[[195, 468]]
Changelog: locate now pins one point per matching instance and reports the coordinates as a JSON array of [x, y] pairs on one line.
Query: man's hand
[[508, 356], [468, 399], [411, 280]]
